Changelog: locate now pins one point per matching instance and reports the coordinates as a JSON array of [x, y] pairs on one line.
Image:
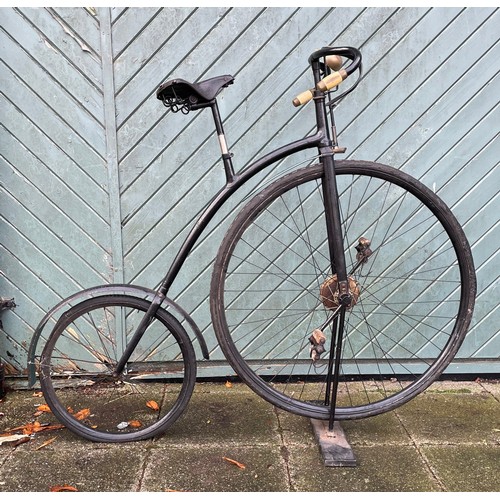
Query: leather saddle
[[186, 95]]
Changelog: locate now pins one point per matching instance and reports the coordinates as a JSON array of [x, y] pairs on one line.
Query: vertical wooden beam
[[116, 271]]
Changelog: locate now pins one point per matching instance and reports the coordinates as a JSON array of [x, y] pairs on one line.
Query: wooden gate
[[97, 179]]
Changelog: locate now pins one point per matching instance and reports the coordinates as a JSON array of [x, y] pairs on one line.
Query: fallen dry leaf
[[64, 487], [44, 408], [134, 423], [36, 426], [26, 439], [82, 414], [33, 428], [9, 432], [46, 443], [153, 405], [229, 384], [234, 462], [38, 394], [41, 409], [12, 438], [54, 427]]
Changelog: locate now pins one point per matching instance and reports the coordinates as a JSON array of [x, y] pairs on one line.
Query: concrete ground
[[447, 439]]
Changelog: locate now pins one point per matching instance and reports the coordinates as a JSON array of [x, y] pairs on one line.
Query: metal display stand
[[335, 448]]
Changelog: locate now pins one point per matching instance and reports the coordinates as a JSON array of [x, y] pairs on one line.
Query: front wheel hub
[[329, 292]]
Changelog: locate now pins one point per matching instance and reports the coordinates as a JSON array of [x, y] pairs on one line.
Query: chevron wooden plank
[[99, 181], [147, 77], [413, 91], [129, 25], [43, 53], [82, 23], [56, 97], [60, 37], [137, 38]]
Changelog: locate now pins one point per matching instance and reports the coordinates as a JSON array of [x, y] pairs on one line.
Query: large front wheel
[[414, 294]]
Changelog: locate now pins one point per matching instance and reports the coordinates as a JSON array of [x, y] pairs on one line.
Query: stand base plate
[[336, 450]]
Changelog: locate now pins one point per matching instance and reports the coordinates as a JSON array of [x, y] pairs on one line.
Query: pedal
[[317, 340], [363, 249]]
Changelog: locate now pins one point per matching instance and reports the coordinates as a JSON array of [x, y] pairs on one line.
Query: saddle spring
[[177, 104]]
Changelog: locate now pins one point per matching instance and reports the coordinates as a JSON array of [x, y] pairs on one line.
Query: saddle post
[[226, 155]]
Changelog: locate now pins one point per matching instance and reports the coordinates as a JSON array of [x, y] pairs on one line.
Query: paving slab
[[447, 439], [466, 467], [452, 417], [387, 459], [88, 467], [380, 469], [199, 468], [219, 413], [381, 429]]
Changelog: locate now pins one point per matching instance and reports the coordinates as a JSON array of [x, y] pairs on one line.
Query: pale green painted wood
[[98, 178], [108, 88], [55, 236]]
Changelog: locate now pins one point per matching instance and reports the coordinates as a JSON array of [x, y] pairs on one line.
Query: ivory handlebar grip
[[332, 80], [303, 98], [334, 62]]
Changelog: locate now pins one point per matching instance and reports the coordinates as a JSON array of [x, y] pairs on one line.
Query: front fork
[[338, 269], [141, 329], [340, 291], [334, 230]]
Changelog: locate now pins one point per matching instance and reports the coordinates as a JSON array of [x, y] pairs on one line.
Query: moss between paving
[[447, 439]]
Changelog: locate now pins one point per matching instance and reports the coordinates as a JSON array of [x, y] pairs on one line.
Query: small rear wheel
[[77, 370]]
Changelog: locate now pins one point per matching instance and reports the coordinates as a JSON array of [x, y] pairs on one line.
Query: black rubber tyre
[[77, 363], [416, 299]]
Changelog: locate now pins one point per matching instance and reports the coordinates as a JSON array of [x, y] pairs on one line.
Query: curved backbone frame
[[309, 142], [317, 140]]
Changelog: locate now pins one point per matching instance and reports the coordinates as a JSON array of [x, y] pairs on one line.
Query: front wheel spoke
[[409, 302]]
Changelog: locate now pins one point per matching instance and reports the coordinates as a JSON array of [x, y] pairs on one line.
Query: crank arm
[[331, 318], [318, 339]]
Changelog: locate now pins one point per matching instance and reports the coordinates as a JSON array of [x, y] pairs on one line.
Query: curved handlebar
[[333, 79]]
